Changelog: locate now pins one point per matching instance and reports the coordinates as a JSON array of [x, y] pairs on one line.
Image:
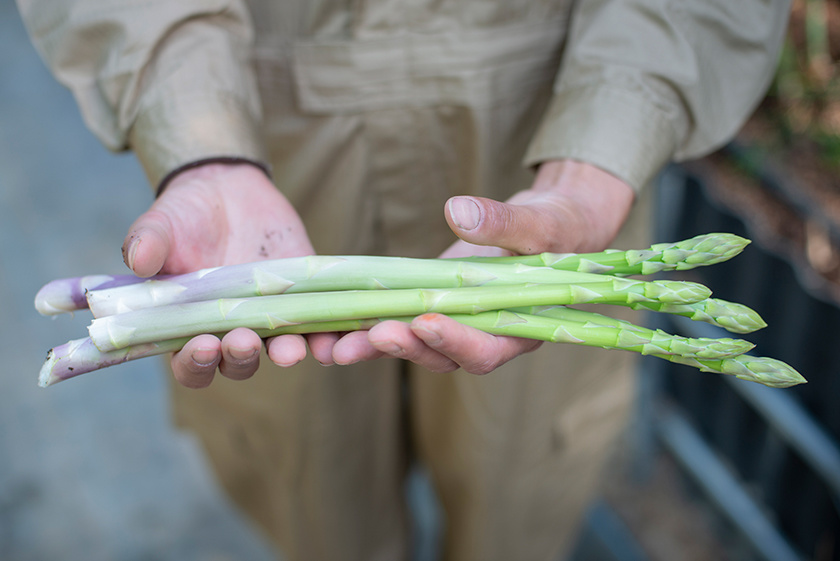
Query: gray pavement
[[90, 469]]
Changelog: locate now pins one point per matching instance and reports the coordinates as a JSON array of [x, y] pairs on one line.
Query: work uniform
[[370, 114]]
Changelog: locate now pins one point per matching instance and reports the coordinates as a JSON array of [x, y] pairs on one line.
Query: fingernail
[[429, 337], [465, 212], [131, 252], [203, 357], [391, 349]]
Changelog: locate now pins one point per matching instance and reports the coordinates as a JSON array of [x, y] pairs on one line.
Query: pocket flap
[[481, 67]]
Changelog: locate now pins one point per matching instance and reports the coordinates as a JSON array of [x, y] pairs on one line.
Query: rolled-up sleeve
[[644, 82], [170, 80]]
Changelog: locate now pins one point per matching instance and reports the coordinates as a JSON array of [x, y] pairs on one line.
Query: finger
[[286, 350], [475, 351], [240, 354], [354, 347], [522, 228], [321, 346], [396, 339], [195, 365], [148, 243]]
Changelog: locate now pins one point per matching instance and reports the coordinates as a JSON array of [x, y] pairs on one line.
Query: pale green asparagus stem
[[327, 273], [319, 273], [555, 324], [702, 250], [597, 327], [546, 323], [734, 317], [767, 371], [621, 335], [269, 312]]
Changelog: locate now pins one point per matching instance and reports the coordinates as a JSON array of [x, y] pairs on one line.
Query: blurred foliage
[[804, 101]]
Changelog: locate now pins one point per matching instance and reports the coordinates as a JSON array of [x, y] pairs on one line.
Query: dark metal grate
[[790, 474]]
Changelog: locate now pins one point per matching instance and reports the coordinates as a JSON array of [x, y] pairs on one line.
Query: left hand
[[571, 207]]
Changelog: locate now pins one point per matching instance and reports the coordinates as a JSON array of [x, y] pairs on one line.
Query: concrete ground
[[89, 469]]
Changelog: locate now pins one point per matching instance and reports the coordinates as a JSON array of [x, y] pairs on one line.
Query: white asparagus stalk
[[318, 273], [323, 273]]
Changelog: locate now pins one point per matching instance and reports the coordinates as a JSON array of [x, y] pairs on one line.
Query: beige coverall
[[371, 113]]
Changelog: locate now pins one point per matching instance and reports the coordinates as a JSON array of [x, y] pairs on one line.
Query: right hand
[[213, 215]]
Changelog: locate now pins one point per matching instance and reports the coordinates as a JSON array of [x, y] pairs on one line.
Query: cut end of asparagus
[[66, 295], [46, 377], [62, 362], [69, 295]]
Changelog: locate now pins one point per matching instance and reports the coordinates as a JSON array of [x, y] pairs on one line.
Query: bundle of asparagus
[[521, 296]]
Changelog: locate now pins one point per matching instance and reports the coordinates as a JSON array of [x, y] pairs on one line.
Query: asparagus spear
[[319, 273], [563, 328], [322, 273], [564, 325], [706, 249], [547, 323], [269, 312], [81, 356]]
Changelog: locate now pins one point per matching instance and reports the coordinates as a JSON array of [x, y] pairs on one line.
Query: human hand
[[571, 207], [212, 215]]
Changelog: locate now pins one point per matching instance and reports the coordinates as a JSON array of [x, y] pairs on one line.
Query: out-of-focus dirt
[[664, 514]]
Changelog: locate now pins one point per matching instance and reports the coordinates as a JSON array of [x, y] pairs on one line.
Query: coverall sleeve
[[170, 80], [644, 82]]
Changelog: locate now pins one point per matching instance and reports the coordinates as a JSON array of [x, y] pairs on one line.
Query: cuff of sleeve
[[620, 131], [172, 135]]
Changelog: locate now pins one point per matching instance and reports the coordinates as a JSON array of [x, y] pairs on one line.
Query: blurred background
[[89, 470], [711, 469]]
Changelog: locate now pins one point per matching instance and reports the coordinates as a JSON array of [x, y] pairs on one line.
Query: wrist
[[211, 167]]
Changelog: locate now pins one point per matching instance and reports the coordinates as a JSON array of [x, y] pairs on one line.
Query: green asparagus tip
[[706, 249], [734, 317], [717, 242], [767, 371]]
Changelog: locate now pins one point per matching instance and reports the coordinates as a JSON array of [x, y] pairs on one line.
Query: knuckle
[[194, 379], [443, 368], [483, 367]]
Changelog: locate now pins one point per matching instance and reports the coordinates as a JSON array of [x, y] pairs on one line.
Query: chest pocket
[[478, 68]]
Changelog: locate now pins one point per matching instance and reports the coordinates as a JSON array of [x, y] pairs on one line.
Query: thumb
[[532, 227], [147, 245]]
